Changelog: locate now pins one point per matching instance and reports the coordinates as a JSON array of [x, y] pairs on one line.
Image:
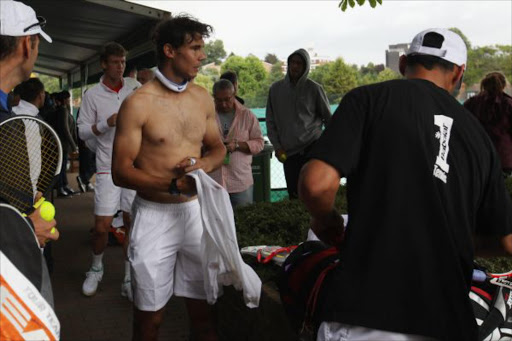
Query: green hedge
[[286, 223], [281, 223]]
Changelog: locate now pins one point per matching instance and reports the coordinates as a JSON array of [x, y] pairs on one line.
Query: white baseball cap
[[453, 48], [18, 19]]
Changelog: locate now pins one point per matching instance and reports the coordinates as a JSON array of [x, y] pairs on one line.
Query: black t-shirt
[[422, 177]]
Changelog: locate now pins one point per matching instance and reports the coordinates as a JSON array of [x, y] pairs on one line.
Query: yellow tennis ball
[[47, 211], [283, 157]]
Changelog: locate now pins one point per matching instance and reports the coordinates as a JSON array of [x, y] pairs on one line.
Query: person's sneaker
[[81, 184], [92, 278], [126, 290], [61, 192], [89, 187], [70, 190]]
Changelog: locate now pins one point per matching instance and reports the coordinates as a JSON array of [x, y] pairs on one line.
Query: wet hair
[[493, 83], [177, 31], [8, 45], [230, 76], [30, 89], [222, 84], [111, 49]]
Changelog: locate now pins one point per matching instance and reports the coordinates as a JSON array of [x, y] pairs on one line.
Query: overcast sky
[[359, 35]]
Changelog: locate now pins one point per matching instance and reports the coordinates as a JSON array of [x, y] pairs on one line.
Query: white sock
[[97, 261], [127, 276]]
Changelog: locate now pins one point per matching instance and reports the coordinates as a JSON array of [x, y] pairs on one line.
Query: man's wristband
[[173, 187]]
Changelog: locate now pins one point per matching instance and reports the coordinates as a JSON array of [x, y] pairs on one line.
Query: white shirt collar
[[106, 87], [25, 108]]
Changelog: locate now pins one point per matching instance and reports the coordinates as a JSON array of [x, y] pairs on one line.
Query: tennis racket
[[30, 160], [500, 279]]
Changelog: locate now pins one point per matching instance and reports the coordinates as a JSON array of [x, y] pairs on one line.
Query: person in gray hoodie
[[297, 107]]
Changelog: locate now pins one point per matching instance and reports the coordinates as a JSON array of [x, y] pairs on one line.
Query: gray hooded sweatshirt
[[295, 112]]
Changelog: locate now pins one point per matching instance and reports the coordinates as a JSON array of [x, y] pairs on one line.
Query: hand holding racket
[[30, 160]]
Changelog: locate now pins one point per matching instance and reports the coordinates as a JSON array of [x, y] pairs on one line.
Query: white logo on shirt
[[442, 168]]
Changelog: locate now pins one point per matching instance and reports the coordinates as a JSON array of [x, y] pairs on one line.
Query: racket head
[[30, 160]]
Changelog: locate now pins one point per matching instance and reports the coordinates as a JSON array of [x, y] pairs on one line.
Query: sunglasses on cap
[[41, 23]]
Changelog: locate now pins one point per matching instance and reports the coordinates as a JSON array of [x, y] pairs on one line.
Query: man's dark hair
[[64, 94], [8, 45], [230, 76], [177, 31], [222, 84], [429, 62], [30, 89], [111, 49]]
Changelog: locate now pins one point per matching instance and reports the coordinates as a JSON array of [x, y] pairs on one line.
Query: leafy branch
[[345, 3]]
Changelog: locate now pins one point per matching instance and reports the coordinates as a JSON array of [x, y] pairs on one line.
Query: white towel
[[222, 262]]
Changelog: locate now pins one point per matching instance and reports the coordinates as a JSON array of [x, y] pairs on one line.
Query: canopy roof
[[79, 28]]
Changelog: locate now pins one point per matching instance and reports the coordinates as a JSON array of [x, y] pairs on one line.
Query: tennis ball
[[47, 211], [283, 157]]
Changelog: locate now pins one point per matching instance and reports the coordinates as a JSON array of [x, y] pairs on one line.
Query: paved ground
[[107, 315]]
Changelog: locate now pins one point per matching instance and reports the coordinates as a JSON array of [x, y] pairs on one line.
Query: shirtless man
[[164, 130]]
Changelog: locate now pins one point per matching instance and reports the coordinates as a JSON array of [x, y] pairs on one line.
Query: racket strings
[[29, 154]]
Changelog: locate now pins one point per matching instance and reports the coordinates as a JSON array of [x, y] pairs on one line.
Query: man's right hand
[[111, 121], [43, 228], [281, 155]]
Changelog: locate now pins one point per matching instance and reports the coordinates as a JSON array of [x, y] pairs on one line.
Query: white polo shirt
[[98, 104]]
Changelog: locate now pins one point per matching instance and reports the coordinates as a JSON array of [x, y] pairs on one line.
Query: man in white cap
[[19, 45], [20, 29], [422, 177]]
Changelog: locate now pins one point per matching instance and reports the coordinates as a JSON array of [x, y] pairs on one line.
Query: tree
[[387, 75], [276, 73], [252, 79], [271, 58], [340, 80], [336, 77], [214, 52], [204, 81], [51, 84], [345, 3]]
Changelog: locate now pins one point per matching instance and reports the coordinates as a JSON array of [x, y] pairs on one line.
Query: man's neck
[[112, 83], [440, 78], [169, 73], [9, 76]]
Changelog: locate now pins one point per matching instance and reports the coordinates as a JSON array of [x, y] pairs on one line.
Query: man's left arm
[[323, 107], [255, 143], [318, 185]]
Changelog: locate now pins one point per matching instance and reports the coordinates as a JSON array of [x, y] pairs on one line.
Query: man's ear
[[169, 51], [402, 64], [459, 74], [26, 46]]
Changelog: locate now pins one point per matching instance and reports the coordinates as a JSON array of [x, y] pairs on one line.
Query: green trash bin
[[261, 173]]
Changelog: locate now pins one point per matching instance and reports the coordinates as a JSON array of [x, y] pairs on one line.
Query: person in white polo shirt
[[97, 122]]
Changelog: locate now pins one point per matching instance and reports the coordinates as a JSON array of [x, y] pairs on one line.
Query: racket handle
[[479, 275]]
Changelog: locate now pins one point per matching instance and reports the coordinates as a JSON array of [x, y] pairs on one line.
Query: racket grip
[[479, 275]]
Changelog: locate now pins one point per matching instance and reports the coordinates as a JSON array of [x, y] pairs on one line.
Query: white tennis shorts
[[107, 196], [127, 197], [164, 253]]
